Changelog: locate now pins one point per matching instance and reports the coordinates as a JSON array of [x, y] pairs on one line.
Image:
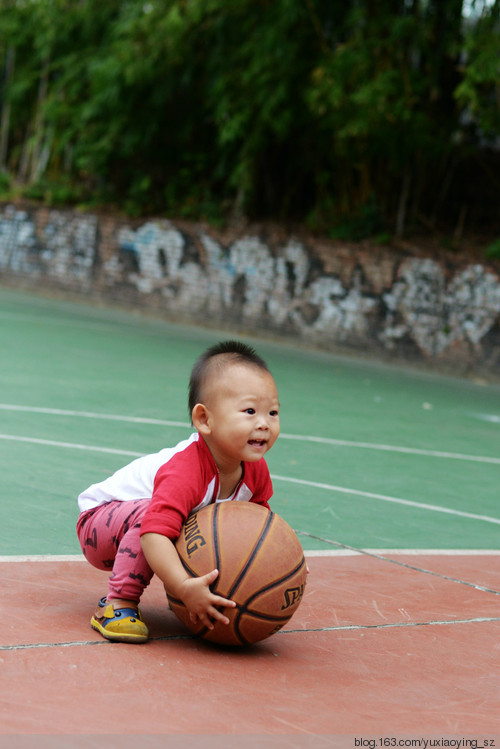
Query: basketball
[[261, 568]]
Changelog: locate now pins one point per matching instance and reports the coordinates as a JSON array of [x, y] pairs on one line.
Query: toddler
[[129, 522]]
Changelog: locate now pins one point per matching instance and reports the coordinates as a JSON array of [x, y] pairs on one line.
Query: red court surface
[[377, 649]]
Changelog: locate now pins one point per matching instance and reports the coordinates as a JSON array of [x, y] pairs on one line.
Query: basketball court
[[390, 479]]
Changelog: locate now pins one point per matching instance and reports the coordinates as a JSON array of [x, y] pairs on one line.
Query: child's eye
[[250, 411], [273, 413]]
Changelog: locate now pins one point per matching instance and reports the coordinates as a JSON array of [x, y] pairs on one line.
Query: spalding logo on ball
[[261, 568]]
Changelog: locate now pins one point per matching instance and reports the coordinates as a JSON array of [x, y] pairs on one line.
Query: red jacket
[[178, 481]]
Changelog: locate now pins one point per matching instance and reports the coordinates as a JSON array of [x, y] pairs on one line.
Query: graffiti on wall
[[63, 248], [283, 288], [17, 242], [438, 313]]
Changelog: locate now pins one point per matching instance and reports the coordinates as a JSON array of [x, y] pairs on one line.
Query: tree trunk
[[5, 106], [38, 128]]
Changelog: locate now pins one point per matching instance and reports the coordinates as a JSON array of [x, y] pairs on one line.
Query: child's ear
[[201, 418]]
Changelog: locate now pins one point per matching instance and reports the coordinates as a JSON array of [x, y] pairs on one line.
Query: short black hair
[[225, 352]]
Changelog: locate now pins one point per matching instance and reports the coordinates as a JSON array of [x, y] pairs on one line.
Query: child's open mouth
[[257, 443]]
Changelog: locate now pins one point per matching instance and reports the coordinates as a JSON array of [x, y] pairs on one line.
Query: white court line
[[296, 437], [392, 448], [43, 558], [492, 418], [19, 558], [275, 477], [385, 498], [72, 445], [92, 415], [401, 552]]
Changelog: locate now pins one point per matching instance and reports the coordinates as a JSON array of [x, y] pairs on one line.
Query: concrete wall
[[393, 304]]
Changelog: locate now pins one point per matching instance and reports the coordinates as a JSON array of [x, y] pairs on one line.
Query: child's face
[[242, 415]]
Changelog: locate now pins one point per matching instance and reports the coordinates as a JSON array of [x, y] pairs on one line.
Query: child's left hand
[[201, 603]]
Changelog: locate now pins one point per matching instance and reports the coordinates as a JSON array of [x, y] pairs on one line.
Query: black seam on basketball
[[215, 536], [281, 620], [176, 601], [258, 615], [236, 627], [250, 559], [273, 585], [187, 567]]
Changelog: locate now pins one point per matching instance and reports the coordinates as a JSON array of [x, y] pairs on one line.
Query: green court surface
[[370, 456]]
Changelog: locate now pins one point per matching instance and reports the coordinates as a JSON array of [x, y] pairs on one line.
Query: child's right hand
[[201, 603]]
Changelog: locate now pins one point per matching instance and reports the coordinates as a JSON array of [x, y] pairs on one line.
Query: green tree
[[357, 117]]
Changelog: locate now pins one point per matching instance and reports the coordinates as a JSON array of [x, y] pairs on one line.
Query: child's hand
[[201, 602]]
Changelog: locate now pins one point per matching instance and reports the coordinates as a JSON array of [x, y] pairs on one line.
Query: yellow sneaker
[[119, 624]]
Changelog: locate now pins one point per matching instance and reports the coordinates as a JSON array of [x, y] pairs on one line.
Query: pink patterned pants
[[109, 537]]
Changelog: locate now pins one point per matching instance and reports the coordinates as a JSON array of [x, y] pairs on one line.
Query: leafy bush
[[350, 116]]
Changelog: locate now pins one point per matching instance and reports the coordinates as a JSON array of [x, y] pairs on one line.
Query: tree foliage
[[356, 117]]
